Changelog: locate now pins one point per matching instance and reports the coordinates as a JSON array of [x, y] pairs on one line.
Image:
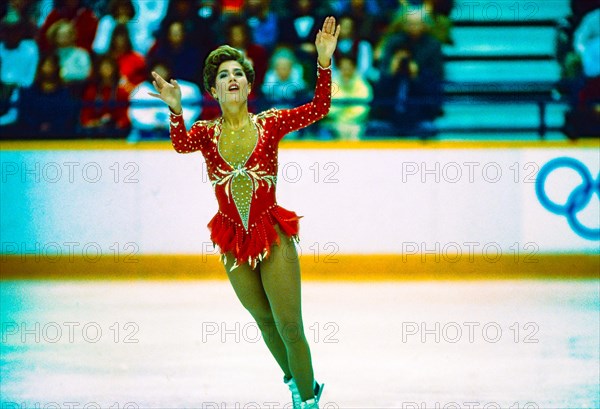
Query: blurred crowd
[[578, 51], [81, 69]]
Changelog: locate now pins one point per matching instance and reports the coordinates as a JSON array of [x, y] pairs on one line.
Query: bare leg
[[249, 289], [280, 273]]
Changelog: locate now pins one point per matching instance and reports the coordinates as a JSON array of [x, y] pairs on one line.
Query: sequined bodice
[[242, 167], [236, 147]]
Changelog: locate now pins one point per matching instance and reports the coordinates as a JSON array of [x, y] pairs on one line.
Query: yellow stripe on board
[[383, 267], [366, 144]]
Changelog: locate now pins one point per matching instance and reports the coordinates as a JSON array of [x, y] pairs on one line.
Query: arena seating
[[501, 68]]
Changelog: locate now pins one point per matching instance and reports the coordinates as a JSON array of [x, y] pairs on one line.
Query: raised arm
[[182, 140], [293, 119], [170, 93]]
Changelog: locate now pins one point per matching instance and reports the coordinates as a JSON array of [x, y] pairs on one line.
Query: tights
[[272, 295]]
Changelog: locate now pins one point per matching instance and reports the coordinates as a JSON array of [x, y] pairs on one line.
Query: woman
[[132, 65], [347, 119], [47, 109], [184, 57], [84, 19], [75, 62], [105, 102], [240, 150]]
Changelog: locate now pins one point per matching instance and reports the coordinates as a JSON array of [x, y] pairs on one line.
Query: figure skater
[[255, 235]]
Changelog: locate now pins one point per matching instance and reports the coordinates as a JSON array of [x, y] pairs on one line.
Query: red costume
[[245, 191]]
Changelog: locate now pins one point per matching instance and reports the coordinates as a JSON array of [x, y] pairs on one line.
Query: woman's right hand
[[169, 92]]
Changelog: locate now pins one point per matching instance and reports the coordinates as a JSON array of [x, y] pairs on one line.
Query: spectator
[[47, 109], [369, 21], [347, 119], [141, 17], [149, 118], [298, 32], [83, 18], [132, 65], [18, 64], [105, 102], [75, 63], [411, 78], [201, 25], [350, 44], [184, 56], [263, 23], [283, 86], [18, 55]]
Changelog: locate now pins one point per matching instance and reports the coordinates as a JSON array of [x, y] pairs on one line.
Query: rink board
[[371, 210]]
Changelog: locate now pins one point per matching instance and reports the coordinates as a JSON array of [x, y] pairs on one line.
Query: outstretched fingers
[[159, 80], [327, 25], [329, 28], [337, 31], [331, 25]]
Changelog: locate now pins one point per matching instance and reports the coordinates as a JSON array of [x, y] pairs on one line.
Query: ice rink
[[190, 344]]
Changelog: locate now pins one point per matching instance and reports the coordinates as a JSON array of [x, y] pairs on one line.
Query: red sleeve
[[289, 120], [182, 140]]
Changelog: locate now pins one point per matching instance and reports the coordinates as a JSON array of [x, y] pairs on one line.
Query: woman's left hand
[[326, 40]]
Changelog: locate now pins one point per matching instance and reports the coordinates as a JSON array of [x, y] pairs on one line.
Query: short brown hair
[[218, 57], [52, 32]]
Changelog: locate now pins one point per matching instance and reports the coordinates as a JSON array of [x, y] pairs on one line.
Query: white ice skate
[[297, 400]]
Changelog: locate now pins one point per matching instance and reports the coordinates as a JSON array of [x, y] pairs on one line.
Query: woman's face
[[176, 34], [304, 6], [231, 83], [346, 27], [123, 13], [106, 70], [346, 69], [65, 36], [48, 68], [283, 68], [120, 42], [237, 36]]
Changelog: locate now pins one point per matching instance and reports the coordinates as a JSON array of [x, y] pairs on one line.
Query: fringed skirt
[[253, 245]]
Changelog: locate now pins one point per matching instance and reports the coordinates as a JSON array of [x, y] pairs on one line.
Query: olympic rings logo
[[577, 200]]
